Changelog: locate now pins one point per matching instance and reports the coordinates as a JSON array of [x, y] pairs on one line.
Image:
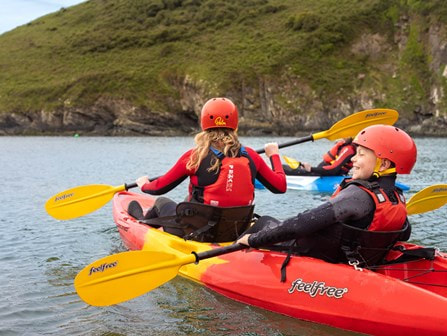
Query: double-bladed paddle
[[124, 276], [79, 201]]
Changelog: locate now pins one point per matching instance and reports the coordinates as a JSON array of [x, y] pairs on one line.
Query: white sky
[[15, 13]]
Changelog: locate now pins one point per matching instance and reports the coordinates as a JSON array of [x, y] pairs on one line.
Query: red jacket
[[274, 180]]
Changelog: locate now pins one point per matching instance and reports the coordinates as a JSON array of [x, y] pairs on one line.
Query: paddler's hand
[[271, 149], [244, 240], [141, 181], [306, 166]]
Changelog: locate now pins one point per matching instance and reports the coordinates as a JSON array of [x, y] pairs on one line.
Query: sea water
[[40, 256]]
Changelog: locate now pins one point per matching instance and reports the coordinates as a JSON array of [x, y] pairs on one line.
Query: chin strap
[[378, 173]]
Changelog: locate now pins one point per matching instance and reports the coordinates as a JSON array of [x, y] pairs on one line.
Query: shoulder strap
[[244, 153], [372, 186], [217, 152]]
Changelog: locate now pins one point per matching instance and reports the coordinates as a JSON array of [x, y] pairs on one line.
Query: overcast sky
[[15, 13]]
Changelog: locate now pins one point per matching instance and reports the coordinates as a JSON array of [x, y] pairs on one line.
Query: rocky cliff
[[403, 67]]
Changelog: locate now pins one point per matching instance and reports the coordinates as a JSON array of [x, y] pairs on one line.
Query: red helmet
[[219, 113], [389, 142]]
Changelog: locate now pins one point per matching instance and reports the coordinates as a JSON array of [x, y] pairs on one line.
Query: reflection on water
[[40, 256]]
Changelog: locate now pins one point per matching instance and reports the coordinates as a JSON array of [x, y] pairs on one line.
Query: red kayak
[[408, 298]]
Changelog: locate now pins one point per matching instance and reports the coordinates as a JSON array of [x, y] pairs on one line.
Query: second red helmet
[[219, 113], [389, 142]]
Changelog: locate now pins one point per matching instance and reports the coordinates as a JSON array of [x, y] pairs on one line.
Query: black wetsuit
[[352, 205]]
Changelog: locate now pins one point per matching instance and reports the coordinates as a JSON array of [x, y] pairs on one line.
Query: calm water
[[40, 256]]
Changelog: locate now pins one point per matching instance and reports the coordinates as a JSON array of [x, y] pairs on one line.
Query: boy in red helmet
[[364, 217], [221, 171]]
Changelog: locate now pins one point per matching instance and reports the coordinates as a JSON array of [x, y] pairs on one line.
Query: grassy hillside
[[136, 50]]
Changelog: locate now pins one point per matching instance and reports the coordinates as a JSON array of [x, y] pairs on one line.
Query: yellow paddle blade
[[428, 199], [124, 276], [79, 201], [291, 162], [354, 123]]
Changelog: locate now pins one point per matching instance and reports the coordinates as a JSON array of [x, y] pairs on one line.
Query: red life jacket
[[388, 216], [232, 185]]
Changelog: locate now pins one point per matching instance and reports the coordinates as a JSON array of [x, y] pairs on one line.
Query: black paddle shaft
[[219, 251], [130, 185], [290, 143], [133, 185]]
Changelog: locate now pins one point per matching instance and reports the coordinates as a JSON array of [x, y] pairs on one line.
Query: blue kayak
[[317, 183]]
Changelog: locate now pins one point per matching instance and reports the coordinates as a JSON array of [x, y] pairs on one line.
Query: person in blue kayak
[[222, 172], [337, 161], [365, 216]]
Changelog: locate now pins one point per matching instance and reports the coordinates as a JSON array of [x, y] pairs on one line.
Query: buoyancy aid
[[389, 215], [336, 151], [231, 185], [367, 241]]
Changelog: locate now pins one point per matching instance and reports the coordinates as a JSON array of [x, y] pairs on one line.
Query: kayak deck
[[338, 295]]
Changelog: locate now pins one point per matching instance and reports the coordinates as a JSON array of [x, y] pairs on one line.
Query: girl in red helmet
[[221, 171], [364, 217]]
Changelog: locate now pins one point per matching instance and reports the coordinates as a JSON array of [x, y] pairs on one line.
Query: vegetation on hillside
[[136, 50]]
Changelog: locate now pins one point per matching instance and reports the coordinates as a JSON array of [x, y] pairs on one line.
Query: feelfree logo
[[375, 114], [103, 267], [317, 288], [64, 196]]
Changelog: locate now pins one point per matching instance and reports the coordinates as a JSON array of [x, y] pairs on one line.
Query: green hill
[[128, 66]]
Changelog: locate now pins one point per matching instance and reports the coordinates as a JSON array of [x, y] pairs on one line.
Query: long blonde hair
[[223, 139]]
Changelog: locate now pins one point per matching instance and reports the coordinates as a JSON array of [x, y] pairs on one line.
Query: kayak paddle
[[350, 126], [79, 201], [124, 276], [428, 199]]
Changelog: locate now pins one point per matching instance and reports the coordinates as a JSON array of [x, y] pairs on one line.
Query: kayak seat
[[135, 210], [369, 248], [207, 223]]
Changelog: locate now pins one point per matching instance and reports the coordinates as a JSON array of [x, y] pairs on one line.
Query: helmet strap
[[377, 173]]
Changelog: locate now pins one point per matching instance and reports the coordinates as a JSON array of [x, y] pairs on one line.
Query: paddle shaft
[[219, 251], [132, 185], [291, 143]]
